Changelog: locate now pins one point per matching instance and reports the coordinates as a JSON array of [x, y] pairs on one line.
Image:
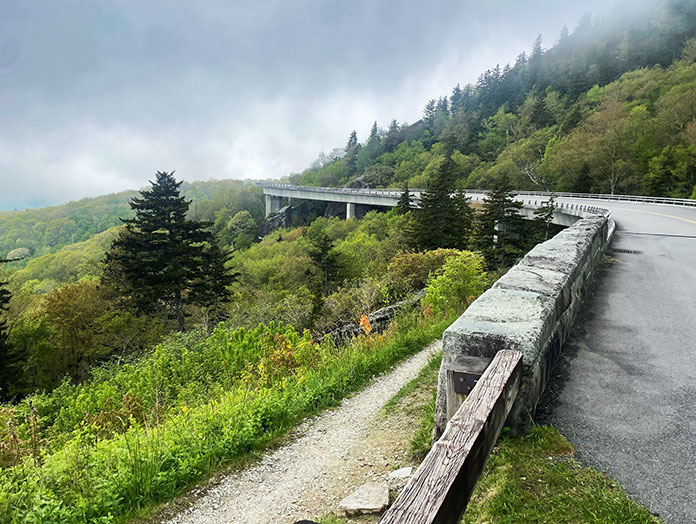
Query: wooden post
[[440, 490], [461, 376]]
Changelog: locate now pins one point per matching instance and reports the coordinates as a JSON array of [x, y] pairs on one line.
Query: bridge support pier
[[350, 211], [273, 204]]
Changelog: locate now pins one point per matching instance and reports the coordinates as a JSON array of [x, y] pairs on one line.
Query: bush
[[461, 281]]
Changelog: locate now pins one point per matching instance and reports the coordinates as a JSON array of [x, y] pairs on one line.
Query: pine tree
[[164, 261], [352, 149], [352, 141], [456, 100], [543, 218], [499, 228], [429, 114], [391, 139], [6, 359], [405, 203], [439, 221], [534, 63]]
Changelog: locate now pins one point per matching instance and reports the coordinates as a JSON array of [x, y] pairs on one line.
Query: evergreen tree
[[429, 114], [534, 63], [164, 261], [352, 149], [456, 100], [374, 132], [499, 228], [352, 141], [391, 139], [543, 219], [439, 221], [6, 358], [465, 218], [405, 203]]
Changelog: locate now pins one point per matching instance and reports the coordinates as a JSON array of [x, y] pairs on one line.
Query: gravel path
[[308, 476]]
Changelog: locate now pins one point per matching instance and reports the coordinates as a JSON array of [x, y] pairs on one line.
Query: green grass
[[427, 378], [534, 479], [195, 405]]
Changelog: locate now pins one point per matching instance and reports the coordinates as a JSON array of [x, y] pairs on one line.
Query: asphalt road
[[624, 392]]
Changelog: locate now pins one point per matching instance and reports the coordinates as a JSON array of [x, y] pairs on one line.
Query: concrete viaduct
[[275, 193], [624, 391]]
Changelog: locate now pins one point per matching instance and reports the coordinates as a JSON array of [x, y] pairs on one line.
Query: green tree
[[6, 359], [543, 219], [461, 280], [499, 229], [164, 261], [323, 255], [405, 203], [242, 229], [440, 221]]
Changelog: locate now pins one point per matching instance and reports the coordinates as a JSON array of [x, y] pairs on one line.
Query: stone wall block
[[530, 309]]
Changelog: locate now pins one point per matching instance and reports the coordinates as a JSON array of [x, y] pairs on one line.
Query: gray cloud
[[97, 96]]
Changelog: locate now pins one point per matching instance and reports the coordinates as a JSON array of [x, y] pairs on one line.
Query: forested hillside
[[610, 108], [35, 232]]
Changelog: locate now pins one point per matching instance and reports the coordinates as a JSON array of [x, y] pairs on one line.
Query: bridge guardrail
[[593, 196]]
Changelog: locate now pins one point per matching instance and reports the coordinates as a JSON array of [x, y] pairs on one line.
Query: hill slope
[[45, 230], [609, 108]]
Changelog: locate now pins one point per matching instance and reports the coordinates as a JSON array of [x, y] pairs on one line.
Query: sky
[[98, 95]]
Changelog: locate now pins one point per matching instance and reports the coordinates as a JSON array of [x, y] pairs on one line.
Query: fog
[[97, 96]]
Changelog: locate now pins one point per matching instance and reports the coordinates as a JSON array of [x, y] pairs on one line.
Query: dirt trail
[[327, 458]]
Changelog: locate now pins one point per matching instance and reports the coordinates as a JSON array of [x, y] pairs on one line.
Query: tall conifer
[[498, 232], [165, 261], [441, 220], [405, 202]]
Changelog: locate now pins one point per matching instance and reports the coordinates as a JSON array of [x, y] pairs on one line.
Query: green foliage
[[409, 272], [444, 216], [46, 230], [405, 203], [68, 264], [499, 231], [161, 260], [542, 227], [462, 280], [140, 432], [592, 114]]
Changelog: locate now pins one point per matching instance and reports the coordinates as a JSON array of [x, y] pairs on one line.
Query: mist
[[96, 98]]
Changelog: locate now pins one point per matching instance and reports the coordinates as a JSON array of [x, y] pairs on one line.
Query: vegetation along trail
[[306, 477]]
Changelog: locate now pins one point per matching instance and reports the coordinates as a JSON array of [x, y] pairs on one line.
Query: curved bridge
[[625, 388]]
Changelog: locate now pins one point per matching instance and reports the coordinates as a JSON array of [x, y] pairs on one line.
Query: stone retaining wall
[[531, 309], [379, 320]]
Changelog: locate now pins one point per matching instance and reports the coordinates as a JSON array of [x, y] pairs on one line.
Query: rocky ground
[[324, 460]]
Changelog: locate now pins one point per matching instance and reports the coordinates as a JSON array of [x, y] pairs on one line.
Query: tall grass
[[141, 432]]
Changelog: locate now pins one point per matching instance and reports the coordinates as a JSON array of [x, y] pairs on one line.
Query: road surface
[[625, 390]]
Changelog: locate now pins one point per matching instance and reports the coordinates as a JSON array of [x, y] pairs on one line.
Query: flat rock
[[402, 473], [372, 497]]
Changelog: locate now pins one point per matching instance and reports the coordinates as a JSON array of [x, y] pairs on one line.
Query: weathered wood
[[440, 490], [462, 363]]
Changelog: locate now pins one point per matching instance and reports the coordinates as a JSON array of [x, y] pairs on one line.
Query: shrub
[[461, 281]]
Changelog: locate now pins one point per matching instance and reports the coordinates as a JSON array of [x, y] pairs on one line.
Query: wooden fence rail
[[440, 490]]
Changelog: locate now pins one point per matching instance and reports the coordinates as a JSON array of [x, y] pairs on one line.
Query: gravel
[[308, 476]]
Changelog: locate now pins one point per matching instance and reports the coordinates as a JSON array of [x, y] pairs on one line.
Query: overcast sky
[[96, 96]]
